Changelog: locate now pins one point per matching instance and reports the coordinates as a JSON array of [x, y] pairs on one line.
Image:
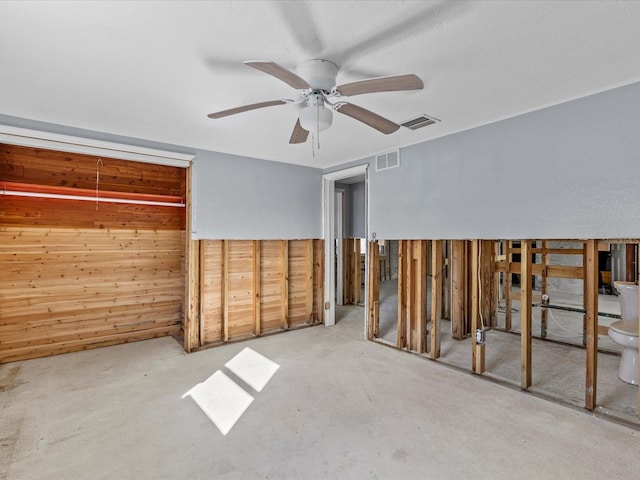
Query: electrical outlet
[[479, 336]]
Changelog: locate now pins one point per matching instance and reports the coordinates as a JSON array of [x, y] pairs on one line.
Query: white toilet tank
[[628, 300]]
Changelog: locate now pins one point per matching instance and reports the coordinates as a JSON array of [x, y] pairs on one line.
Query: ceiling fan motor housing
[[320, 74]]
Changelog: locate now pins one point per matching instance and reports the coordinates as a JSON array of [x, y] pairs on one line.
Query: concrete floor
[[338, 407], [558, 370]]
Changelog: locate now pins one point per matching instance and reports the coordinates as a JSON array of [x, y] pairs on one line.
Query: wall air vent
[[419, 122], [384, 161]]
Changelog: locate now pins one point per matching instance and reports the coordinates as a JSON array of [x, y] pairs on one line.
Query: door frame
[[339, 235], [329, 236]]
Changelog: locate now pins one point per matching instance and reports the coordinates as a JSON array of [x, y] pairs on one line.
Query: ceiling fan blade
[[281, 73], [369, 118], [381, 84], [299, 134], [246, 108]]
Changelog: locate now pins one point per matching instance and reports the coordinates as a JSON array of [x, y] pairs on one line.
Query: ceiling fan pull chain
[[318, 124], [313, 145]]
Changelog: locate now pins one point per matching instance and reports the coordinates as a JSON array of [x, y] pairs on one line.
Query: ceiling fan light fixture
[[316, 118]]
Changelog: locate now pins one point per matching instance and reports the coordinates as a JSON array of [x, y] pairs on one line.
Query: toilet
[[624, 332]]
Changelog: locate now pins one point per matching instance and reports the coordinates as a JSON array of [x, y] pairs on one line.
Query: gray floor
[[338, 407], [558, 370]]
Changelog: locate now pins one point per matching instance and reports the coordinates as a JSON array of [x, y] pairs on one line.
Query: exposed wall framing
[[251, 287]]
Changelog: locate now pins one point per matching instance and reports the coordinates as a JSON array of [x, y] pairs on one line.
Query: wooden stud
[[309, 286], [201, 287], [477, 354], [420, 289], [373, 293], [284, 268], [591, 304], [630, 263], [446, 279], [225, 290], [525, 315], [507, 292], [436, 298], [358, 274], [458, 309], [191, 326], [402, 313], [256, 288], [319, 279], [544, 315], [410, 295]]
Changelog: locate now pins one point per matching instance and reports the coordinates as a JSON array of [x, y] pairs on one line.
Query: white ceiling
[[154, 70]]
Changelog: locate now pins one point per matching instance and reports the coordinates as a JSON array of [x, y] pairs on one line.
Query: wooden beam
[[374, 291], [525, 315], [201, 287], [225, 290], [458, 309], [191, 302], [256, 288], [591, 306], [284, 282], [309, 287], [477, 354], [436, 297], [543, 290], [402, 313], [507, 287], [420, 299], [357, 273], [630, 263]]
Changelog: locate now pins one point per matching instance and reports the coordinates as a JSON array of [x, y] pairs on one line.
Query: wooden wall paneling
[[67, 289], [436, 297], [373, 330], [48, 169], [212, 288], [298, 267], [240, 298], [272, 292], [525, 314], [591, 307], [477, 349], [257, 327], [284, 268]]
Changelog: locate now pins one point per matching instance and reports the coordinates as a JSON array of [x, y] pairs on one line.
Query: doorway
[[352, 218]]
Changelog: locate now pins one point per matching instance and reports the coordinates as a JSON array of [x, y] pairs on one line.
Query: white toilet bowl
[[625, 332]]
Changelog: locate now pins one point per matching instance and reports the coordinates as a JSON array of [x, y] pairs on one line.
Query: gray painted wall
[[568, 171], [356, 228], [245, 198], [354, 209]]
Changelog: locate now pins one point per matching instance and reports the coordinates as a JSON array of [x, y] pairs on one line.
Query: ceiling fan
[[316, 82]]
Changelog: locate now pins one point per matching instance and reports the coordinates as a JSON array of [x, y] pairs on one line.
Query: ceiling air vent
[[419, 122], [385, 161]]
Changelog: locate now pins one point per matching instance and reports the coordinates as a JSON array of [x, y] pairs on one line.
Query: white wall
[[245, 198], [569, 171]]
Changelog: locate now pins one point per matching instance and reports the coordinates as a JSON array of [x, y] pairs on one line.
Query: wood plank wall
[[78, 276], [48, 168], [252, 287]]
